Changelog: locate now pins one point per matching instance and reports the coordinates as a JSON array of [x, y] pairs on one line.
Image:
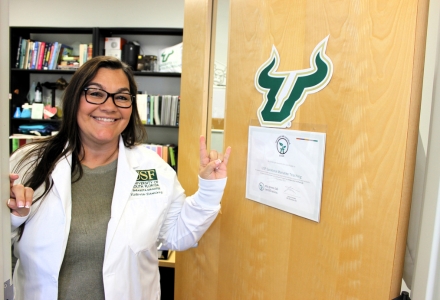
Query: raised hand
[[212, 165], [20, 199]]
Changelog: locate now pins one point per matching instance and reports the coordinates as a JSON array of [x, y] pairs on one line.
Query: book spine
[[148, 109], [151, 110], [17, 62], [46, 55], [89, 51], [82, 59], [157, 100], [141, 103], [23, 52], [165, 153], [34, 56], [84, 52], [178, 112], [159, 150], [41, 52], [52, 53], [163, 119], [49, 57], [173, 157], [54, 56], [26, 59]]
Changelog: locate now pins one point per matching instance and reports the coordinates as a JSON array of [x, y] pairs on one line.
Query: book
[[172, 149], [29, 58], [141, 103], [157, 108], [73, 66], [151, 110], [173, 110], [33, 62], [89, 51], [162, 110], [54, 56], [23, 52], [165, 153], [82, 54], [159, 150], [166, 108], [17, 62], [51, 53], [64, 51], [41, 52], [178, 112], [46, 57], [26, 55], [148, 109]]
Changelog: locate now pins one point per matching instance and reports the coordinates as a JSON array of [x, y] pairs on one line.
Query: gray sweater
[[81, 271]]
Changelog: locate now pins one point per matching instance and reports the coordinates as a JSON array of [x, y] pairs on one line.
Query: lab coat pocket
[[145, 218]]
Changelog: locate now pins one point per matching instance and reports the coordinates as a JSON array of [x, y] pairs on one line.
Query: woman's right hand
[[21, 197]]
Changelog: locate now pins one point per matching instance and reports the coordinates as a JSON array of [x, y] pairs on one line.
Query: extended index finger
[[204, 159]]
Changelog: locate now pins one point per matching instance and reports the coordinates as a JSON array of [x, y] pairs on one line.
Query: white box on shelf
[[170, 59], [114, 52], [114, 43], [37, 111]]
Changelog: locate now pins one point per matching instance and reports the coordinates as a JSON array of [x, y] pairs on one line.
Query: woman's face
[[102, 124]]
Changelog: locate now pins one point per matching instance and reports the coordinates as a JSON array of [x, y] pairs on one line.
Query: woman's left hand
[[212, 165]]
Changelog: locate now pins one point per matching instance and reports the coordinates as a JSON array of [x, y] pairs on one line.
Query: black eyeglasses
[[98, 96]]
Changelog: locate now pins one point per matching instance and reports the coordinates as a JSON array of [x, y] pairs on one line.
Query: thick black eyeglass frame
[[112, 95]]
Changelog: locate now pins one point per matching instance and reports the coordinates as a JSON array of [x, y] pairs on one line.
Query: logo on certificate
[[283, 145], [261, 186]]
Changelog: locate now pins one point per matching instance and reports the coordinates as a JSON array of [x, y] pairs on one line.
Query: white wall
[[5, 225], [427, 180], [97, 13]]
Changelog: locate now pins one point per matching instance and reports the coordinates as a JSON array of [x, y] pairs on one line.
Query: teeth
[[105, 119]]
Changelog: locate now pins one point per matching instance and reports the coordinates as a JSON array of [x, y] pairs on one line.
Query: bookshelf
[[151, 40]]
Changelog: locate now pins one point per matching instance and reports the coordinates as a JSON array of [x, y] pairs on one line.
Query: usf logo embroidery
[[146, 175], [284, 92], [146, 184]]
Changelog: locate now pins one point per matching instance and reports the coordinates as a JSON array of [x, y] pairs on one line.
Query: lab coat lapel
[[61, 177], [125, 180]]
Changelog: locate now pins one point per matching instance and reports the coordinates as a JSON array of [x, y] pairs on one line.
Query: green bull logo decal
[[165, 56], [284, 92]]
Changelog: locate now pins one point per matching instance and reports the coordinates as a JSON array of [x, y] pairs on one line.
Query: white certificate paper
[[285, 170]]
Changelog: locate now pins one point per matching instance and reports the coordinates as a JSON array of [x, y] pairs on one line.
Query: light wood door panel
[[369, 111], [191, 282]]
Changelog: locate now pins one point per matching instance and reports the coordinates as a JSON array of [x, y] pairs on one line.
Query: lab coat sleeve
[[16, 221], [188, 218]]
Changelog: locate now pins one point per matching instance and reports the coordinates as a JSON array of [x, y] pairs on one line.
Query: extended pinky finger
[[226, 155]]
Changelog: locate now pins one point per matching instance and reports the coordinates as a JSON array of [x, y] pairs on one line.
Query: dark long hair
[[41, 158]]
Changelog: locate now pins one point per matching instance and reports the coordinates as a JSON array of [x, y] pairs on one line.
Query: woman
[[101, 202]]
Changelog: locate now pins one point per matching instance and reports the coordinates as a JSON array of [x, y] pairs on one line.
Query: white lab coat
[[130, 269]]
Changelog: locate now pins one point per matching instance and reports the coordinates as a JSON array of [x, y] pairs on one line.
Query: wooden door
[[370, 112]]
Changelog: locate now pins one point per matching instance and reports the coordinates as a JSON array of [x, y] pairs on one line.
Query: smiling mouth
[[110, 120]]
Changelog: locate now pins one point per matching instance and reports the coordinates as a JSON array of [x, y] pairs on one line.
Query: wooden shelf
[[169, 263]]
